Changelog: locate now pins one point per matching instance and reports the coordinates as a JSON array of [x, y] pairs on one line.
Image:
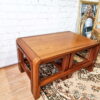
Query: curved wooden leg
[[35, 84]]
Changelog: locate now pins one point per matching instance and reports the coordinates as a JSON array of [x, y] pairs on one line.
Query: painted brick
[[19, 18]]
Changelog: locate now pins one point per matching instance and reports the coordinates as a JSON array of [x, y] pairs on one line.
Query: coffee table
[[57, 48]]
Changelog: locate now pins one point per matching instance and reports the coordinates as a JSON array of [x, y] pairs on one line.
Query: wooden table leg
[[71, 63], [96, 51], [67, 63], [35, 81], [90, 68], [92, 57], [20, 59]]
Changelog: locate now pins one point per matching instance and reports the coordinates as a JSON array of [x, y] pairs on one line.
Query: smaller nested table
[[60, 49]]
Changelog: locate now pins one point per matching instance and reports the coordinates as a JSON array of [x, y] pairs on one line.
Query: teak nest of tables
[[54, 48]]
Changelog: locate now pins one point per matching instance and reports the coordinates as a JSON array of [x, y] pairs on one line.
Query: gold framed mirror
[[87, 13]]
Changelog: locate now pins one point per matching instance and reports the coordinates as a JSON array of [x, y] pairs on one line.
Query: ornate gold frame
[[79, 18]]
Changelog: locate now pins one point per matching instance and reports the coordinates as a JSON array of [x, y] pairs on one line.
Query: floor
[[83, 85], [14, 85]]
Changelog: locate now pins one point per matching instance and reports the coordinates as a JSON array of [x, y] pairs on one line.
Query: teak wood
[[37, 50]]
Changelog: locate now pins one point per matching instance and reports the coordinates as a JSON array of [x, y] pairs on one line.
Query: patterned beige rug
[[83, 85]]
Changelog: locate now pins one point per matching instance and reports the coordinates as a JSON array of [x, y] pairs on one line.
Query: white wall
[[31, 17]]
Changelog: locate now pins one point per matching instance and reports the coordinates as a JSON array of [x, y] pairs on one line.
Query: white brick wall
[[32, 17]]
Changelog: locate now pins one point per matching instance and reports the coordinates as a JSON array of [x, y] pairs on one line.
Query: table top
[[49, 45]]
